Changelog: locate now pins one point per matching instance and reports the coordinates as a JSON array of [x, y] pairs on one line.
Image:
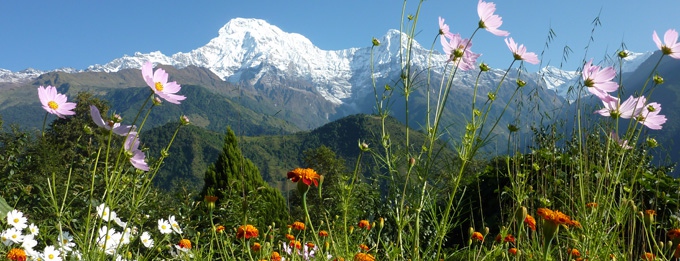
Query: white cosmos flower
[[175, 225], [14, 236], [105, 213], [146, 239], [51, 254], [164, 226], [33, 229], [16, 219]]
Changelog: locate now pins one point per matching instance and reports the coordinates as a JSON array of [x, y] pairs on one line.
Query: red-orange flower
[[513, 251], [363, 247], [648, 256], [297, 225], [290, 237], [310, 244], [673, 233], [531, 222], [256, 247], [247, 231], [16, 254], [556, 217], [676, 254], [509, 238], [219, 229], [185, 243], [591, 205], [295, 244], [364, 224], [276, 256], [574, 252], [477, 236], [323, 233], [308, 176], [363, 257]]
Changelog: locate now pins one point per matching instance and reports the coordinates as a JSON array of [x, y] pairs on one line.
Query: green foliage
[[233, 177]]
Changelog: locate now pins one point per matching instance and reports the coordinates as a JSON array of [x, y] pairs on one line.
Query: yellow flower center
[[16, 220], [163, 227], [51, 256], [14, 236], [53, 105], [159, 86]]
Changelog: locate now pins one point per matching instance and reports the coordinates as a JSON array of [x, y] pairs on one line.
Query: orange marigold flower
[[323, 233], [673, 233], [591, 205], [308, 176], [295, 244], [185, 243], [477, 236], [310, 244], [256, 247], [650, 212], [575, 223], [247, 231], [276, 256], [297, 225], [219, 229], [16, 254], [210, 199], [555, 216], [363, 247], [364, 224], [290, 237], [363, 257], [498, 238], [574, 252], [531, 222], [509, 238], [513, 251], [648, 256]]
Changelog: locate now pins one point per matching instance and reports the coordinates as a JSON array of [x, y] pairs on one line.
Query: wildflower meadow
[[588, 193]]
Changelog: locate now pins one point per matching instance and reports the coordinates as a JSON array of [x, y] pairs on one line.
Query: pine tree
[[234, 178]]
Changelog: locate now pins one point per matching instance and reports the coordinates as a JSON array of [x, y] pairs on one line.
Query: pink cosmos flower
[[458, 50], [599, 82], [670, 45], [650, 116], [626, 110], [54, 102], [488, 20], [111, 125], [623, 143], [520, 53], [132, 147], [158, 82], [443, 28]]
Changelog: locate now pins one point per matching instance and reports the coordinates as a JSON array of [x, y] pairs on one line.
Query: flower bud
[[184, 120], [375, 42], [411, 162], [484, 67], [156, 101], [623, 54], [658, 79], [363, 146], [512, 128], [491, 96], [521, 83], [652, 143], [381, 223]]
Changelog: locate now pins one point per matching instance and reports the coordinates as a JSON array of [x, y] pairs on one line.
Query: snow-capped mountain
[[246, 50]]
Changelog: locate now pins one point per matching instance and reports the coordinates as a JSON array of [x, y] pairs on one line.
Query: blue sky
[[51, 34]]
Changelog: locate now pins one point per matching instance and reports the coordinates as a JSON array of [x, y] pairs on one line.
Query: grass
[[581, 195]]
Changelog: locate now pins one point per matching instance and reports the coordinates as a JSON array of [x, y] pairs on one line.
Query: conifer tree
[[234, 178]]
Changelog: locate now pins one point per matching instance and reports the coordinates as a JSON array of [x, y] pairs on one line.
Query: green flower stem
[[308, 219]]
